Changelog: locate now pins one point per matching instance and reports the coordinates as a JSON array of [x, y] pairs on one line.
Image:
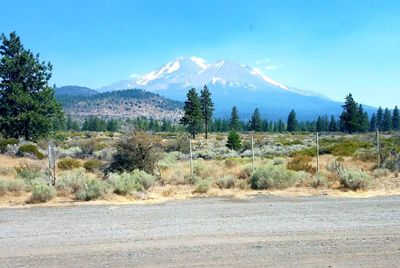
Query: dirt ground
[[266, 231]]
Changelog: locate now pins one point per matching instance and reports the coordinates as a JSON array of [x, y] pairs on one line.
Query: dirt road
[[261, 232]]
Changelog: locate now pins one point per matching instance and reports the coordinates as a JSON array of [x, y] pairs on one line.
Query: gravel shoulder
[[317, 231]]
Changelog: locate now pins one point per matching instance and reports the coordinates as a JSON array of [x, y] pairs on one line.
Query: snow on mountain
[[186, 72], [231, 84]]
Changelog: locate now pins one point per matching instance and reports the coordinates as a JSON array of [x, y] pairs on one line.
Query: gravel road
[[263, 231]]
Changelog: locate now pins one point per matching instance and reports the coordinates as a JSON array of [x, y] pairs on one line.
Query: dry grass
[[174, 185]]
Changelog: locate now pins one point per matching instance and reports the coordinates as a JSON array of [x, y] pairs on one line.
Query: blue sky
[[333, 47]]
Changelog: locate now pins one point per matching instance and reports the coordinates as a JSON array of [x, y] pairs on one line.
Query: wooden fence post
[[191, 159], [378, 145], [252, 153], [51, 154], [317, 141]]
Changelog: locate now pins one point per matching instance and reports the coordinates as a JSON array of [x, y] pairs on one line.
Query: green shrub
[[301, 162], [144, 179], [68, 163], [124, 183], [137, 151], [92, 189], [30, 149], [42, 193], [270, 176], [128, 183], [226, 182], [72, 181], [29, 173], [93, 165], [355, 179], [347, 147], [234, 142], [5, 142], [203, 185], [14, 186]]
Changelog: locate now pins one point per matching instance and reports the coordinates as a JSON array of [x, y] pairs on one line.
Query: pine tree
[[292, 124], [234, 142], [281, 126], [387, 120], [234, 122], [350, 118], [193, 117], [27, 105], [379, 118], [255, 122], [332, 124], [207, 108], [396, 119], [372, 123], [319, 124], [363, 124]]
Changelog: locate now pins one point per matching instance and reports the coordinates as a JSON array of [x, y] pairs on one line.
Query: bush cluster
[[226, 182], [14, 186], [301, 162], [5, 142], [68, 164], [130, 182], [93, 165], [270, 176], [355, 179], [202, 186], [42, 193], [137, 151], [92, 189], [30, 149]]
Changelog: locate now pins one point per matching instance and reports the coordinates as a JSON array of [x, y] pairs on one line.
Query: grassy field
[[285, 164]]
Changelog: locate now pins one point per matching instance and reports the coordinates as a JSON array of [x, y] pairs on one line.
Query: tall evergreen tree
[[281, 126], [372, 123], [319, 124], [27, 105], [396, 119], [292, 124], [332, 124], [379, 118], [325, 123], [255, 122], [193, 117], [207, 108], [363, 124], [350, 118], [387, 120], [234, 122]]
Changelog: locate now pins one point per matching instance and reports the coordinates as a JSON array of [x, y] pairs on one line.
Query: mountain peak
[[184, 72]]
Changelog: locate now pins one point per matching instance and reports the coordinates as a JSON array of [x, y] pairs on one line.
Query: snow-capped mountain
[[186, 72], [231, 84]]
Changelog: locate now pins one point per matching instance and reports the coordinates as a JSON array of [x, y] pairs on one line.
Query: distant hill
[[74, 91], [118, 104]]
